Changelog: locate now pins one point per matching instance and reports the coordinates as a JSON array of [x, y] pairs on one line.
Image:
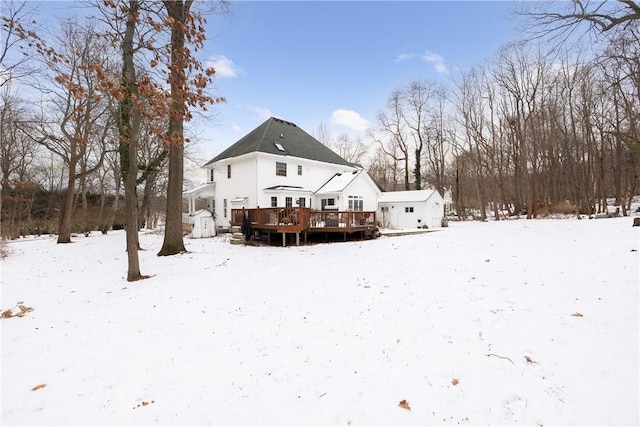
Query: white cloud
[[350, 119], [263, 113], [404, 57], [437, 61], [224, 67]]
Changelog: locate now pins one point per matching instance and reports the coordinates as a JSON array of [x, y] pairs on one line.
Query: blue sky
[[336, 63], [313, 62]]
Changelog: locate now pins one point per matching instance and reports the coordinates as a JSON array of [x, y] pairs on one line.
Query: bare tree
[[15, 54], [353, 150], [600, 16], [68, 125], [18, 157], [392, 136]]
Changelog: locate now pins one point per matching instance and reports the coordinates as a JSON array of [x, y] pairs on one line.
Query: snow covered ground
[[512, 322]]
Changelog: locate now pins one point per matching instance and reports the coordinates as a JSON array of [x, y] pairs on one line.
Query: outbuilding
[[411, 209], [202, 224]]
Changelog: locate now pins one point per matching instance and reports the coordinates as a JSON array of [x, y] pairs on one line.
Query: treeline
[[531, 130], [526, 132]]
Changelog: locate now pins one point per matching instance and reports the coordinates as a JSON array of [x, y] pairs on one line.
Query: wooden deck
[[304, 221]]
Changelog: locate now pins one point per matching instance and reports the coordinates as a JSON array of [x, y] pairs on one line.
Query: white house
[[411, 209], [280, 165]]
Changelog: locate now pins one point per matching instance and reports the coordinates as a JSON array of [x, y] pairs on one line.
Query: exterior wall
[[429, 212], [241, 184], [314, 175], [203, 225], [252, 173], [361, 186]]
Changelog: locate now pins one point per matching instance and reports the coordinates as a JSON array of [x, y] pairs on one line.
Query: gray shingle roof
[[288, 136]]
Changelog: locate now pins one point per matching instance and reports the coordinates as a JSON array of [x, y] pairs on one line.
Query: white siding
[[252, 173]]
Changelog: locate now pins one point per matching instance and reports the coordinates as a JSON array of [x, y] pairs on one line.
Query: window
[[302, 202], [211, 175], [281, 169], [288, 202], [408, 209], [327, 204], [224, 207], [279, 146], [213, 207], [274, 201], [356, 203], [228, 171], [299, 169]]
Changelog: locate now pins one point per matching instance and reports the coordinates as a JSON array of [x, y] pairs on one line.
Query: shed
[[202, 224], [411, 209]]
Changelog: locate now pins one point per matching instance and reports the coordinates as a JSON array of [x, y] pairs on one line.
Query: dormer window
[[279, 146]]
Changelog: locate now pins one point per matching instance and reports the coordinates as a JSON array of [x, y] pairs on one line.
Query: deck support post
[[284, 239], [297, 239], [345, 236]]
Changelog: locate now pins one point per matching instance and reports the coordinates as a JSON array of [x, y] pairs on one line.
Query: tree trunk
[[129, 128], [173, 243], [64, 222]]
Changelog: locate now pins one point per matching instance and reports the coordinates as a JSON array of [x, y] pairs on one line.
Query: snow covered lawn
[[512, 322]]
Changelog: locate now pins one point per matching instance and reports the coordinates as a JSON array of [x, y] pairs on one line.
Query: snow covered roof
[[339, 182], [200, 212], [288, 188], [406, 196], [199, 189]]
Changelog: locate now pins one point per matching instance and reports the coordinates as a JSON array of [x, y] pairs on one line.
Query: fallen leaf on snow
[[455, 381], [38, 387], [144, 403], [487, 260], [404, 404], [529, 360], [576, 314]]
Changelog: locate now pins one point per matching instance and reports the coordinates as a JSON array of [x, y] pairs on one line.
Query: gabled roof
[[406, 196], [276, 136]]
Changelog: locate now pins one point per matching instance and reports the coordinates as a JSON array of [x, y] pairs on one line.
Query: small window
[[274, 201], [288, 202], [299, 169], [408, 209], [228, 171], [281, 169], [211, 175], [279, 146], [224, 207], [302, 202]]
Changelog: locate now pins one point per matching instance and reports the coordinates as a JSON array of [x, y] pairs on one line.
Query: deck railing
[[293, 220]]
